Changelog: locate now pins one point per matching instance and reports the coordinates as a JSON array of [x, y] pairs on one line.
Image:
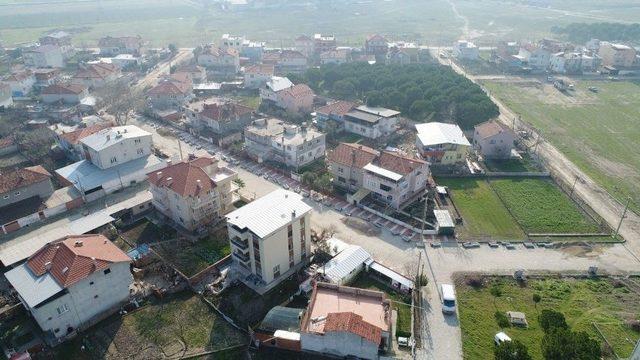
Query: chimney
[[293, 214], [47, 265], [78, 243], [159, 173], [169, 181]]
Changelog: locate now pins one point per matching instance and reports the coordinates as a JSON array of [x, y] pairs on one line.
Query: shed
[[444, 223], [517, 318], [396, 280], [346, 265], [281, 318]]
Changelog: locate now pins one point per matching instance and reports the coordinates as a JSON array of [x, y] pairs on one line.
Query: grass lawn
[[599, 132], [605, 302], [161, 327], [512, 165], [483, 213], [191, 258], [540, 207], [403, 326]]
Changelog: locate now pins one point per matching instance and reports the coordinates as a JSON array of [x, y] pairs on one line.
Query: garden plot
[[609, 303], [178, 326], [541, 207]]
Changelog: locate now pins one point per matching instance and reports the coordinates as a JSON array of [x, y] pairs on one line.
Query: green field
[[598, 132], [483, 213], [540, 206], [189, 23], [608, 303]]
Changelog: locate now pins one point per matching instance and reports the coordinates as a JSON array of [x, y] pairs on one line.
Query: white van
[[448, 299]]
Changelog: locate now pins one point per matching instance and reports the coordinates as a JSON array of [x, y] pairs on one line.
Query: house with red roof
[[112, 46], [23, 184], [376, 45], [21, 83], [70, 141], [334, 111], [64, 93], [219, 60], [96, 75], [221, 116], [256, 76], [388, 177], [171, 91], [193, 193], [72, 283], [346, 322]]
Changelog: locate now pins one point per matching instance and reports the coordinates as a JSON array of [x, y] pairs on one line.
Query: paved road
[[163, 68], [588, 190]]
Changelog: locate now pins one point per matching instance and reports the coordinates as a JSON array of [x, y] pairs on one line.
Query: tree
[[511, 350], [173, 48], [562, 343], [309, 178], [550, 320], [323, 183], [496, 292], [536, 299], [344, 89], [239, 182], [120, 100]]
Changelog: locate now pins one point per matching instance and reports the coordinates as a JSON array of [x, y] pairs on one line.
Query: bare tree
[[119, 99]]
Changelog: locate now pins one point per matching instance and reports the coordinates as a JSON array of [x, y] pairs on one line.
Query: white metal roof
[[391, 274], [107, 137], [270, 212], [384, 112], [345, 263], [383, 172], [435, 133], [278, 83], [443, 218], [32, 289], [288, 335]]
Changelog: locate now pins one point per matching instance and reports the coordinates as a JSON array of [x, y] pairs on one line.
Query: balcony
[[239, 243], [242, 257]]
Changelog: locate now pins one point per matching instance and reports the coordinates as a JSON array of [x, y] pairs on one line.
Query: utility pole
[[624, 213]]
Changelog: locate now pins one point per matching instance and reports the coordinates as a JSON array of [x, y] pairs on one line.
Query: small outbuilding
[[517, 318], [444, 222]]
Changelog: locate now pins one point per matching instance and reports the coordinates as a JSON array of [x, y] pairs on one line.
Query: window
[[140, 151], [290, 231], [137, 141], [341, 179], [340, 170], [95, 296], [91, 283], [384, 187], [276, 271], [114, 160], [62, 309], [5, 197], [107, 271], [17, 193]]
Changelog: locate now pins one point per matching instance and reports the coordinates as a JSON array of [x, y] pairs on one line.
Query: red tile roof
[[267, 69], [172, 86], [218, 52], [353, 323], [6, 141], [19, 76], [376, 37], [491, 128], [339, 107], [21, 178], [59, 89], [96, 71], [74, 137], [298, 91], [353, 155], [187, 178], [397, 163], [75, 257]]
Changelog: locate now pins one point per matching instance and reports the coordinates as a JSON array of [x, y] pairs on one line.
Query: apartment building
[[274, 140], [371, 122], [270, 238], [494, 140], [465, 50], [617, 55], [221, 116], [282, 93], [346, 163], [219, 60], [117, 145], [441, 143], [113, 46], [257, 76], [72, 283], [44, 56], [193, 193]]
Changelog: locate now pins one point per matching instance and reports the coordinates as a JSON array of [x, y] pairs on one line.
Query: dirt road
[[588, 190]]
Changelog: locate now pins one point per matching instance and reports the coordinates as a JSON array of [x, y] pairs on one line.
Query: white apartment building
[[193, 193], [270, 238], [72, 283], [292, 145], [44, 56], [371, 122], [618, 55], [465, 50], [117, 145], [257, 76], [441, 143]]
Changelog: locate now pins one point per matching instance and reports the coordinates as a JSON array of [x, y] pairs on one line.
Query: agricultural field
[[178, 326], [483, 213], [540, 206], [611, 304], [598, 132], [188, 23]]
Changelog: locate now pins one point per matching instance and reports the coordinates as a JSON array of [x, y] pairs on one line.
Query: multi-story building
[[221, 116], [270, 238], [376, 45], [616, 55], [323, 43], [70, 141], [171, 91], [286, 61], [347, 161], [494, 140], [219, 60], [534, 56], [305, 45], [337, 56], [193, 193], [116, 145], [257, 76], [441, 143], [371, 122], [281, 92], [23, 184], [273, 140], [465, 50], [44, 56], [113, 46], [46, 77], [72, 283], [333, 112], [6, 99], [197, 73]]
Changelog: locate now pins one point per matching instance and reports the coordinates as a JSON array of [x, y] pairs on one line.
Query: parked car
[[448, 298], [378, 224], [407, 238]]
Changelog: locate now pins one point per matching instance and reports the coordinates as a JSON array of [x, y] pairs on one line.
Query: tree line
[[604, 31], [419, 91]]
